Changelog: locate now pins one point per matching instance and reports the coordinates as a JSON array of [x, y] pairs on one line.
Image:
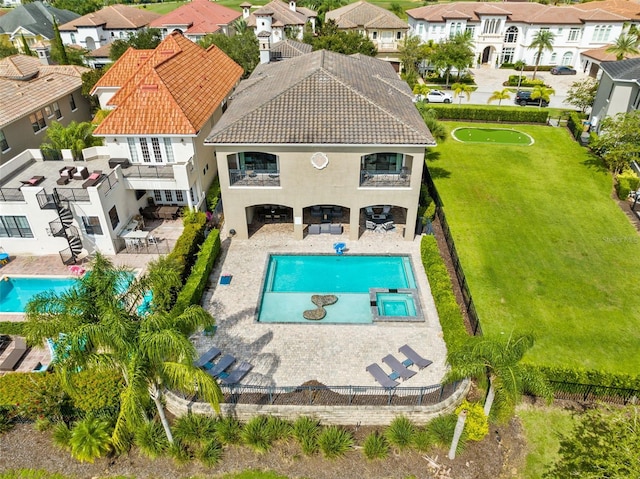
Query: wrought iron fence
[[593, 392], [385, 178], [148, 171], [11, 194], [73, 194], [144, 246], [254, 178], [108, 182]]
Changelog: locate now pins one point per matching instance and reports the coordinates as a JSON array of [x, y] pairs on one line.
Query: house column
[[298, 223], [354, 223], [410, 227]]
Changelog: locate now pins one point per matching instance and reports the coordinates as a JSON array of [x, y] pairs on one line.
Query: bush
[[574, 124], [490, 114], [306, 431], [627, 182], [187, 246], [12, 327], [34, 395], [211, 453], [423, 440], [151, 439], [524, 82], [228, 430], [97, 391], [90, 439], [565, 377], [213, 194], [376, 446], [476, 426], [255, 434], [334, 442], [278, 429], [441, 430], [441, 80], [61, 435], [400, 432], [6, 419]]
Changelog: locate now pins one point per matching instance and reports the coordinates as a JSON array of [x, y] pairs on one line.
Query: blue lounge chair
[[220, 367], [381, 377], [207, 357], [237, 374], [396, 366], [413, 357]]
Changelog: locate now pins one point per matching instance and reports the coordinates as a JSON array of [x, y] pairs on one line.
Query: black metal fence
[[592, 392]]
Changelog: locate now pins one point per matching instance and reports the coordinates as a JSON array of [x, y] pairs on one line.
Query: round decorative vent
[[319, 160]]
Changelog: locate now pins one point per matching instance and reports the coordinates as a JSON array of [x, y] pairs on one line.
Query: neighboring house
[[319, 138], [625, 8], [32, 95], [34, 21], [279, 19], [591, 59], [100, 57], [619, 90], [381, 26], [503, 32], [288, 49], [198, 18], [115, 22], [165, 102]]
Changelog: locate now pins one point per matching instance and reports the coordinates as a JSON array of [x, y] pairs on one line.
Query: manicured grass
[[544, 247], [492, 136], [162, 8], [543, 427]]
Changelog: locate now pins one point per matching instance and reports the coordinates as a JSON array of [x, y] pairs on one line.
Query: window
[[4, 145], [168, 196], [48, 111], [157, 196], [398, 35], [511, 36], [507, 55], [574, 35], [382, 162], [132, 150], [37, 121], [146, 156], [601, 33], [420, 28], [168, 149], [92, 225], [374, 35], [454, 29], [254, 160], [72, 102], [113, 217], [491, 27], [470, 30], [179, 196], [155, 143], [73, 38], [554, 58], [56, 110], [567, 58], [15, 227]]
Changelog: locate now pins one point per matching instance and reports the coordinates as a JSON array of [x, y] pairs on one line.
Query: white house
[[279, 19]]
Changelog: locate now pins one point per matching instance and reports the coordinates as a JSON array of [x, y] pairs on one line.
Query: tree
[[340, 41], [89, 80], [625, 45], [146, 39], [430, 118], [413, 52], [7, 49], [456, 52], [618, 141], [582, 93], [460, 89], [25, 46], [500, 95], [103, 329], [543, 93], [240, 26], [499, 361], [75, 137], [241, 48], [603, 444], [519, 66], [542, 40], [58, 46], [81, 7], [396, 9]]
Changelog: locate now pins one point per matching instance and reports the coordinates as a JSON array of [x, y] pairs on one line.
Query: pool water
[[395, 304], [291, 280], [16, 292]]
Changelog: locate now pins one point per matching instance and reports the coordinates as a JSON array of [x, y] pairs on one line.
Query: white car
[[437, 96]]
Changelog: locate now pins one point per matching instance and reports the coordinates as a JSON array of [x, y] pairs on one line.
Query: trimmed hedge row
[[574, 123], [480, 113], [593, 377], [189, 242], [453, 329], [11, 327], [194, 288], [524, 81]]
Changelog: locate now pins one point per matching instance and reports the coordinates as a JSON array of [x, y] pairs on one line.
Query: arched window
[[567, 58], [511, 36], [554, 58]]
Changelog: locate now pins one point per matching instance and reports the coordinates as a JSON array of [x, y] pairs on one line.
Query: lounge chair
[[381, 377], [33, 181], [207, 357], [220, 367], [81, 173], [413, 357], [14, 354], [370, 225], [314, 229], [336, 229], [93, 179], [391, 361], [388, 225], [237, 374]]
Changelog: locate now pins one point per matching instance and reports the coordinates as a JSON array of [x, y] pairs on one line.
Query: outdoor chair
[[413, 357], [370, 225], [81, 173], [396, 366], [336, 229], [314, 229], [33, 181], [386, 209], [207, 357], [220, 367], [237, 374], [381, 377], [388, 226], [369, 211]]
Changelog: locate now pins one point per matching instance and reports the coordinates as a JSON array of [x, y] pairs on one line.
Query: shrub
[[306, 431], [278, 429], [187, 246], [90, 439], [400, 432], [151, 439], [376, 446], [423, 439], [213, 194], [627, 181], [571, 379], [489, 114], [334, 442], [525, 82], [61, 435], [6, 419], [441, 429], [34, 395], [211, 453], [574, 124], [193, 427], [97, 391], [255, 434], [476, 426], [12, 327], [228, 430]]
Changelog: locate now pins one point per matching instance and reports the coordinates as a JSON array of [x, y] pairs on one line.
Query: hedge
[[483, 113], [213, 194], [524, 82], [451, 320], [627, 181], [187, 246], [11, 327], [193, 290], [574, 123], [589, 377], [97, 390]]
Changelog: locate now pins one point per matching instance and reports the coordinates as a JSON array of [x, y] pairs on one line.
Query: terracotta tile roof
[[113, 17], [281, 12], [601, 54], [202, 17], [322, 98], [365, 15], [175, 91], [626, 8], [26, 85], [530, 13], [121, 71]]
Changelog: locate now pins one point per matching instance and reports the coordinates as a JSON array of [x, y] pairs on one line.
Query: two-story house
[[164, 103], [279, 19], [382, 27], [618, 91], [321, 138], [33, 95], [503, 33]]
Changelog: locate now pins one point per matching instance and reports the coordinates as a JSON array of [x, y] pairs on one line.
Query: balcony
[[254, 178], [381, 178], [11, 194], [149, 171]]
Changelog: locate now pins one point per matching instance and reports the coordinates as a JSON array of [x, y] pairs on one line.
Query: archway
[[91, 43], [486, 55]]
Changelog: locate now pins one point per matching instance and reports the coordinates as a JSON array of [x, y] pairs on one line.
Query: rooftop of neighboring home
[[531, 13], [173, 89], [288, 49], [323, 98], [282, 14], [26, 85], [626, 8], [623, 70], [102, 52], [36, 17], [365, 15], [113, 17], [600, 54], [199, 16]]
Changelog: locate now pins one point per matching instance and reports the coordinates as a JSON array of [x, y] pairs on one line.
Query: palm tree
[[75, 137], [460, 89], [625, 45], [543, 93], [499, 361], [519, 66], [240, 26], [500, 95], [542, 40]]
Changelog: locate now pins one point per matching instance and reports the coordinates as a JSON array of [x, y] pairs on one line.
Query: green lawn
[[544, 247], [492, 136]]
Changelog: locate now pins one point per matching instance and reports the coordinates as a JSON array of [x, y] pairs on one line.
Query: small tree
[[618, 141], [25, 46], [543, 93], [542, 40], [75, 137], [7, 49], [519, 66], [460, 89], [500, 95], [624, 46], [582, 93], [146, 39]]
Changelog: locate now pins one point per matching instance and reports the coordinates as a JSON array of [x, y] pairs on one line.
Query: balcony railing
[[46, 200], [11, 194], [254, 178], [73, 194], [148, 171], [380, 178]]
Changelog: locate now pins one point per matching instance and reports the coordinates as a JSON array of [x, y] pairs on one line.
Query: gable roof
[[113, 17], [626, 8], [201, 17], [365, 15], [624, 70], [27, 85], [322, 98], [529, 13], [288, 49], [282, 13], [35, 17], [173, 89]]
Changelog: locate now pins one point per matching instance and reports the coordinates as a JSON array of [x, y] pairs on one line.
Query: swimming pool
[[291, 280], [15, 292]]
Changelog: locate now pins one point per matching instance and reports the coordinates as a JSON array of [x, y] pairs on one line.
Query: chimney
[[264, 40], [292, 5], [44, 54], [246, 9]]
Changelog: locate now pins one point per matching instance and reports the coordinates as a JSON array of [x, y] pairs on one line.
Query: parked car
[[562, 70], [437, 96], [523, 98]]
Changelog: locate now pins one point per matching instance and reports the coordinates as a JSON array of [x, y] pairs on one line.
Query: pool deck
[[333, 354]]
